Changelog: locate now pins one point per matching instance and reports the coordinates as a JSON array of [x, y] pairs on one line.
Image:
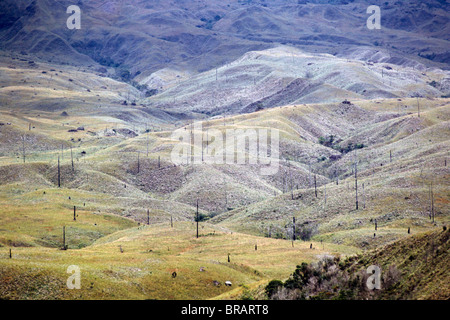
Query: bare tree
[[139, 163], [431, 202], [59, 174], [64, 238], [293, 228], [24, 137], [315, 185], [198, 220], [356, 183], [71, 157], [147, 143]]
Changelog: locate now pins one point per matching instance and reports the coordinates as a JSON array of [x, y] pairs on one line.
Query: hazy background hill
[[286, 75], [139, 38]]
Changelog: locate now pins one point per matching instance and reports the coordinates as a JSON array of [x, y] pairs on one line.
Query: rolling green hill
[[114, 148]]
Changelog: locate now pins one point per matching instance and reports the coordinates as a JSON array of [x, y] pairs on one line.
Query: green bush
[[273, 287], [201, 217]]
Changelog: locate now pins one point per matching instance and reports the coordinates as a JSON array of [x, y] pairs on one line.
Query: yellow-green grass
[[36, 218], [139, 262], [421, 261]]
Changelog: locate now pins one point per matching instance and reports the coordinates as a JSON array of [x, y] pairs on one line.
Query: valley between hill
[[114, 147]]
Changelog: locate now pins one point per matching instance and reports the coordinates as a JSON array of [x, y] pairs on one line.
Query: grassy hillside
[[138, 263], [413, 268]]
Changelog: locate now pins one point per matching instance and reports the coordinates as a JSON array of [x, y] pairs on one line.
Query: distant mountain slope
[[145, 36], [285, 75]]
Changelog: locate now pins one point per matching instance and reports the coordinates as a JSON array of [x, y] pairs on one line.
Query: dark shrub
[[273, 287]]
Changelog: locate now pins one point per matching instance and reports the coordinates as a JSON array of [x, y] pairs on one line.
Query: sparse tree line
[[292, 231]]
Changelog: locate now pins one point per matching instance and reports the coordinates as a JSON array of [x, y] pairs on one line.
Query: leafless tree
[[59, 174], [24, 138], [71, 157], [198, 220]]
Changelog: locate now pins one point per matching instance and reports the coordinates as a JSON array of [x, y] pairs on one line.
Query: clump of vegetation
[[259, 106], [273, 287], [124, 74], [151, 92], [349, 148], [209, 23], [331, 142], [247, 295], [202, 217], [306, 232], [328, 141], [434, 84], [329, 279]]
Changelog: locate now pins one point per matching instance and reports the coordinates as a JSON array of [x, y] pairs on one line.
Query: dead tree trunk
[[59, 174], [64, 238], [139, 163], [315, 185], [74, 213], [356, 185], [71, 157], [23, 148], [197, 221], [148, 217], [432, 202], [147, 143], [293, 228]]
